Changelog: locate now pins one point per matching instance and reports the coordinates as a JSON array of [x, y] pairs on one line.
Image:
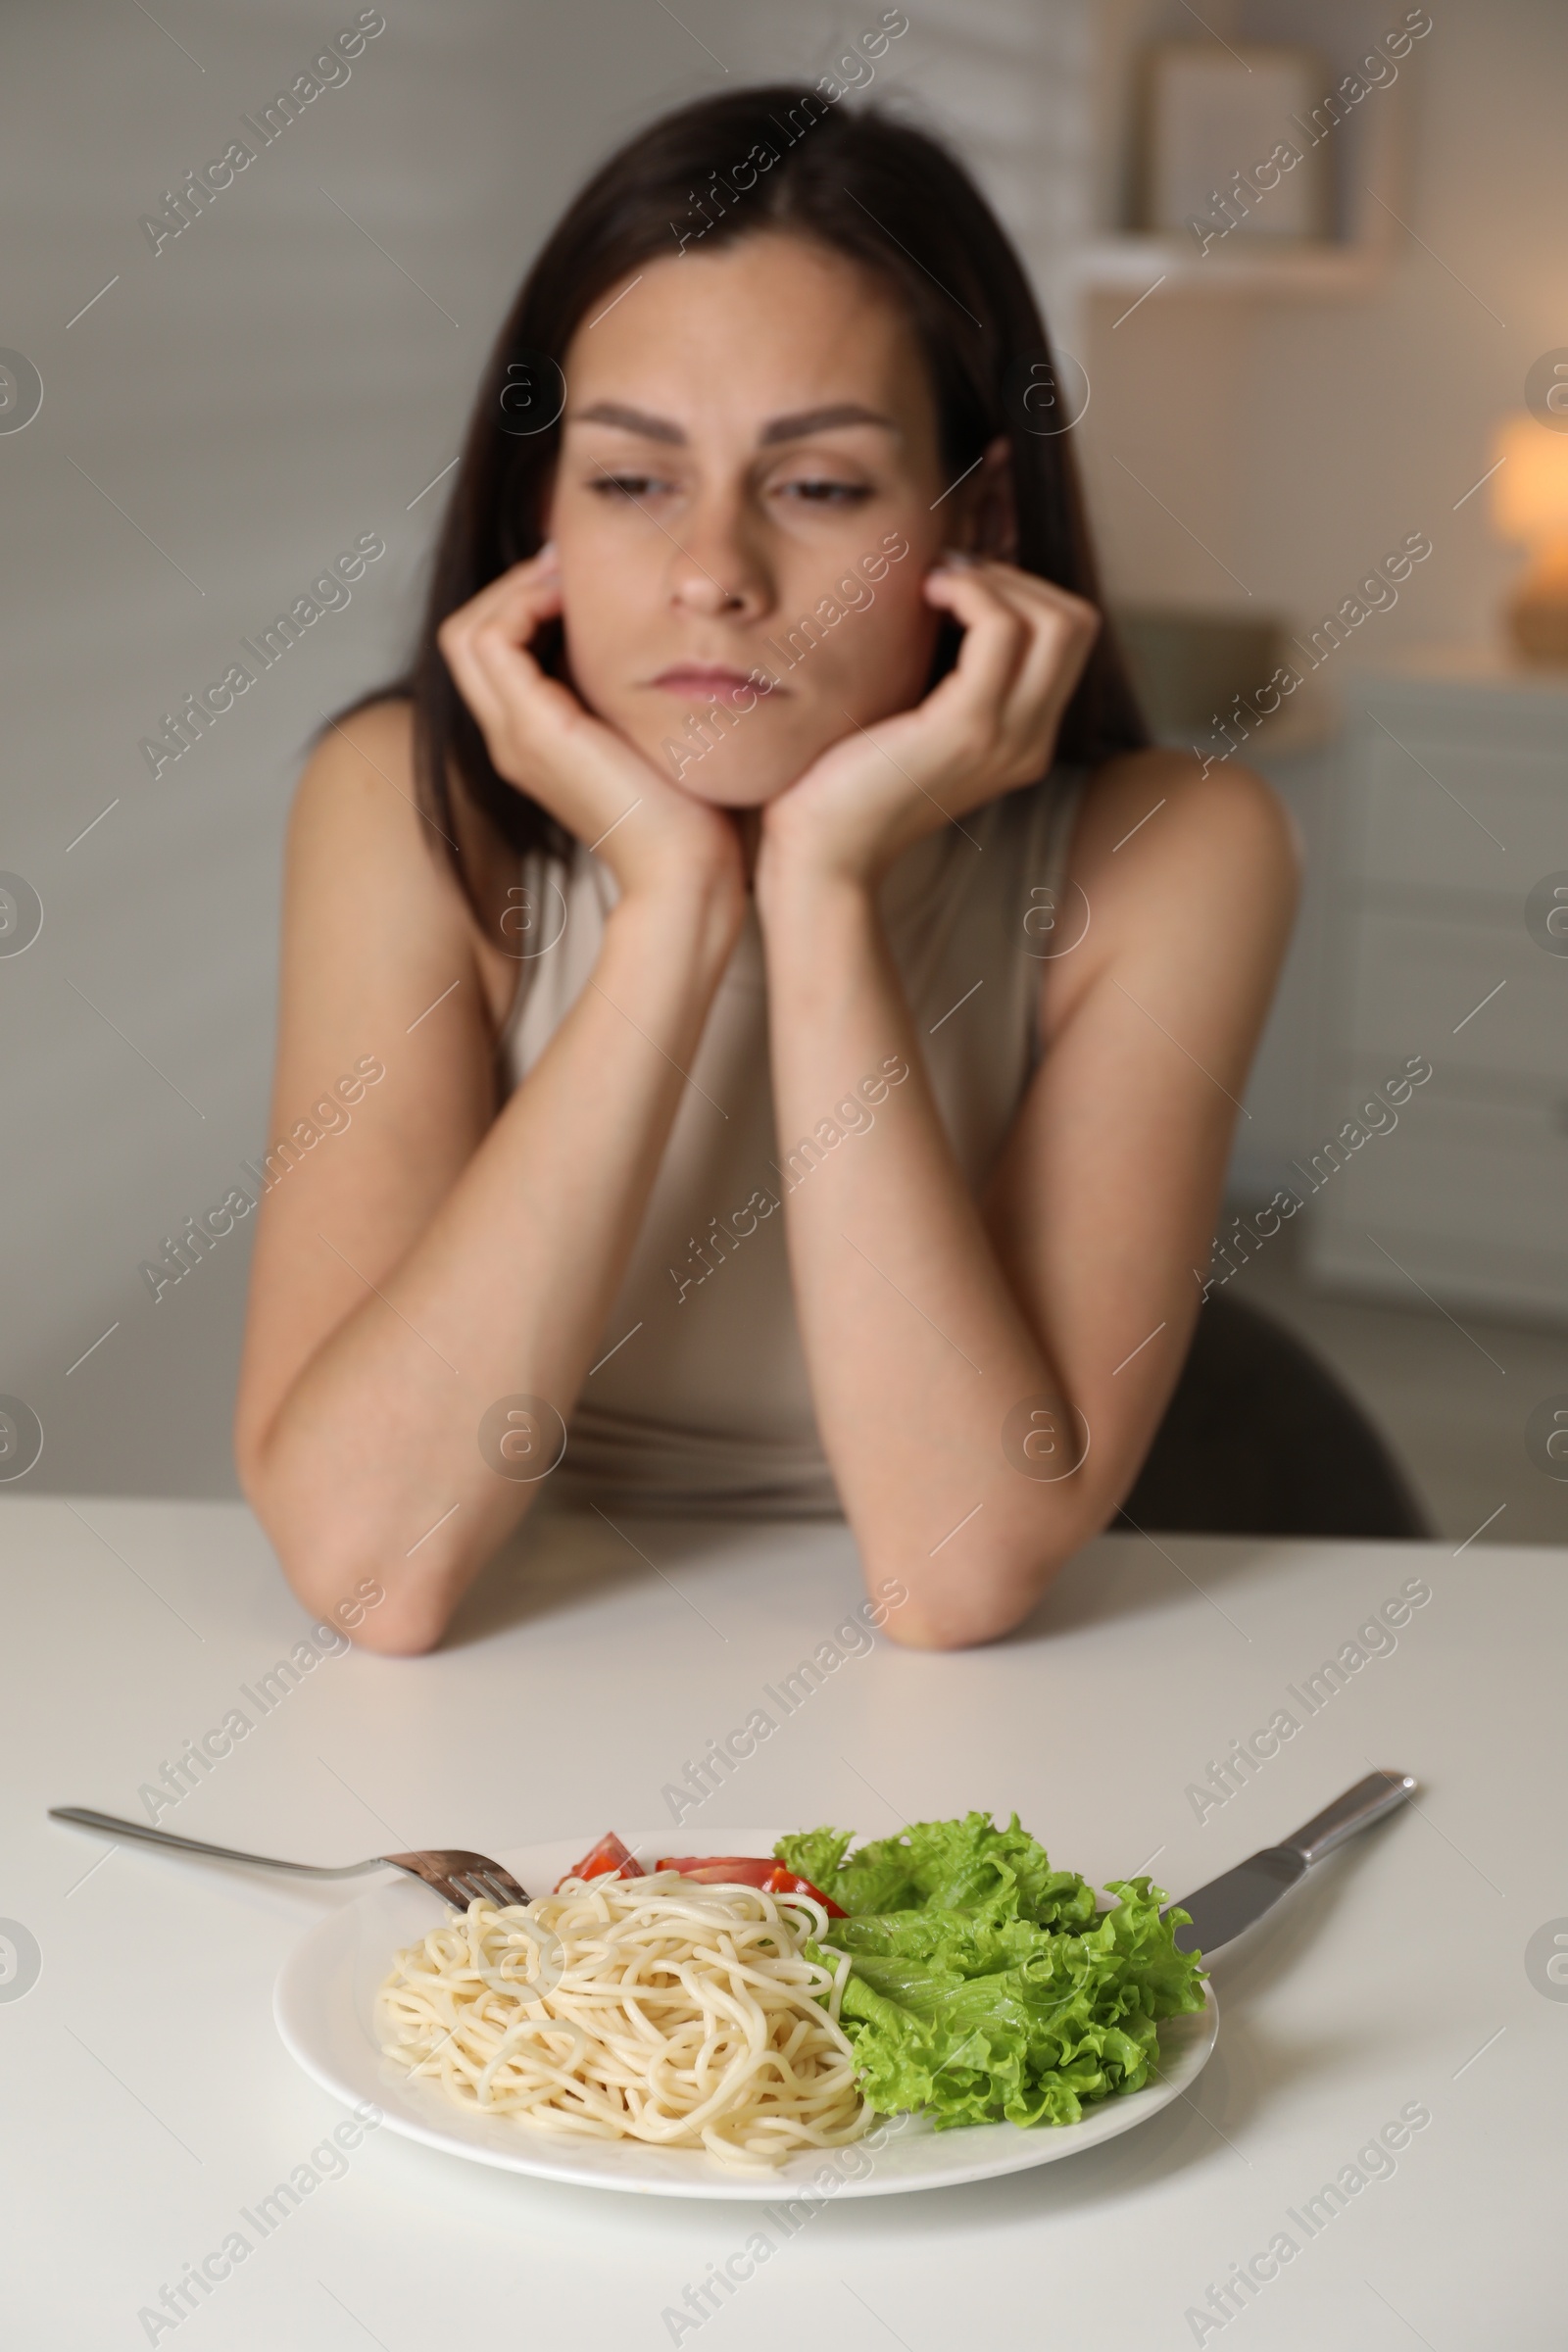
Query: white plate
[[323, 2004]]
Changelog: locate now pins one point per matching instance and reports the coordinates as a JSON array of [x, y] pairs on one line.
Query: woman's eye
[[826, 492], [635, 486]]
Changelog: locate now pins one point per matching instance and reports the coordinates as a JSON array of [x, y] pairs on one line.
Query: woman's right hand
[[651, 835]]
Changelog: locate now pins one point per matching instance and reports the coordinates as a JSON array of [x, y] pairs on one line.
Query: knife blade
[[1238, 1899]]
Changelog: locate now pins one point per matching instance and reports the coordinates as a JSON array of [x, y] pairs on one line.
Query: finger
[[1059, 631], [1033, 596], [484, 642], [1062, 631], [994, 643], [509, 683], [472, 682], [538, 567], [525, 594]]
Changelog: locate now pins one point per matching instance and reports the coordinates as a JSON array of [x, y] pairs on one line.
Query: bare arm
[[970, 1361], [435, 1258]]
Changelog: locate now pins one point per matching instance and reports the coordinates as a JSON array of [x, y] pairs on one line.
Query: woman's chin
[[745, 770], [734, 786]]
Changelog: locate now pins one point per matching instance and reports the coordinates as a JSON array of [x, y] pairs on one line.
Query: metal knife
[[1228, 1905]]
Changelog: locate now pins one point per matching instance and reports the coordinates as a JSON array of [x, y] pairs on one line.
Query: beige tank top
[[698, 1399]]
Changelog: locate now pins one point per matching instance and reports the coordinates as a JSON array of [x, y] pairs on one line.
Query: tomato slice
[[735, 1869], [790, 1882], [609, 1859], [762, 1870]]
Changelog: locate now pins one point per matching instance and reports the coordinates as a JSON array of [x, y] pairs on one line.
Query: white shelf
[[1465, 668], [1366, 163], [1162, 266]]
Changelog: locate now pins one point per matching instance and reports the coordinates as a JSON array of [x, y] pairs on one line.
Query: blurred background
[[1322, 407]]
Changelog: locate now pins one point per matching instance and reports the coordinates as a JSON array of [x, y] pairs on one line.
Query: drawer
[[1415, 982], [1471, 1274], [1452, 816], [1480, 1190]]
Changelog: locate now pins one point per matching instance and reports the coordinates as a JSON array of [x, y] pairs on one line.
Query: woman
[[765, 777]]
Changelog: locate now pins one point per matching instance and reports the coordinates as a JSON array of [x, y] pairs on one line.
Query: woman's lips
[[700, 681]]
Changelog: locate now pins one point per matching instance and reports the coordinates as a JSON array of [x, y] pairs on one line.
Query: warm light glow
[[1530, 489]]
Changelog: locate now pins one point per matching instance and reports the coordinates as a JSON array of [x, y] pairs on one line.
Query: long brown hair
[[887, 197]]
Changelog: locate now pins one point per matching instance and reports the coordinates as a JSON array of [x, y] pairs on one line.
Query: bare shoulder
[[358, 793], [1220, 810], [358, 784], [1176, 858], [1159, 825]]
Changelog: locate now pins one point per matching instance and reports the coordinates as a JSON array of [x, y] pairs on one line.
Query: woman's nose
[[713, 571]]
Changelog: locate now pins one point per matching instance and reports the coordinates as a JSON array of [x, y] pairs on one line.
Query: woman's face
[[748, 489]]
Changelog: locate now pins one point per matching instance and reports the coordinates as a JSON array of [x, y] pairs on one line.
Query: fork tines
[[460, 1878], [494, 1886]]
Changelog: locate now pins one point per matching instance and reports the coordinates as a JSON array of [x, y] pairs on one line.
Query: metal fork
[[460, 1878]]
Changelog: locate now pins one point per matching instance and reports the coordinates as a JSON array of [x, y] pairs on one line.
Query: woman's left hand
[[990, 725]]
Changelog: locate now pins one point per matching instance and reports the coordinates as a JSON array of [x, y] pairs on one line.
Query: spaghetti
[[657, 2009]]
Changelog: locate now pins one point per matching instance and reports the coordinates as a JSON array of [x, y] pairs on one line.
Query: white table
[[147, 2098]]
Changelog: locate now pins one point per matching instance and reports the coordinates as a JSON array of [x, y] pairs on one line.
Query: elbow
[[939, 1628], [402, 1626], [392, 1617], [342, 1580], [984, 1597], [955, 1620], [964, 1616]]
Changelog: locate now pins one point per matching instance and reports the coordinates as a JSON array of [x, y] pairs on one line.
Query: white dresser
[[1448, 942]]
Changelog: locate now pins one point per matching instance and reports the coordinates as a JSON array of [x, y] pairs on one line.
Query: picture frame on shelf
[[1226, 145]]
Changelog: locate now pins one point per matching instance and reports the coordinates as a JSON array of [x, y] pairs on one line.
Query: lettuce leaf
[[984, 1987], [968, 1866]]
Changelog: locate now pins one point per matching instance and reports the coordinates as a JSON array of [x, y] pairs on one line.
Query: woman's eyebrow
[[630, 420], [822, 421], [779, 428]]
